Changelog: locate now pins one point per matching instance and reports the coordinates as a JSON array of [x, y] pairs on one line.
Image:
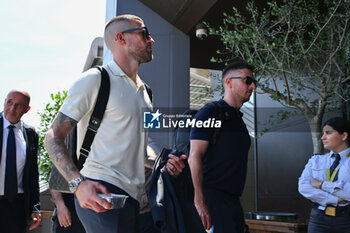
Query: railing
[[199, 95]]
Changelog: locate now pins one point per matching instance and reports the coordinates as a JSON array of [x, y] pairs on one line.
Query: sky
[[44, 46]]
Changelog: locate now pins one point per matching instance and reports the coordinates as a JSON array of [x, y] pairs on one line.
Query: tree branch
[[325, 24]]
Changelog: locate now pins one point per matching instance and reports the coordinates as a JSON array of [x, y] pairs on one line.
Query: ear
[[119, 38], [345, 136], [228, 82], [28, 108]]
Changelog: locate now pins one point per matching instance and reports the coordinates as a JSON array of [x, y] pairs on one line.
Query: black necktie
[[11, 168], [334, 165]]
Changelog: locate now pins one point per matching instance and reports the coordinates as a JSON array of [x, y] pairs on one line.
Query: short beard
[[144, 56]]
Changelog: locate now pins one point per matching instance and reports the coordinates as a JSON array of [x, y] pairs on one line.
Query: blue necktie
[[11, 168], [334, 165]]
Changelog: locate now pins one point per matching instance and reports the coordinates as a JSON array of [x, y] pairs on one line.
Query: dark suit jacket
[[171, 200], [31, 172]]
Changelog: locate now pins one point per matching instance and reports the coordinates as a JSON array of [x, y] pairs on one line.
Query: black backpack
[[182, 135]]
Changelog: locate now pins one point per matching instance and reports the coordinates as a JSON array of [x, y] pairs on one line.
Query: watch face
[[72, 189], [73, 184]]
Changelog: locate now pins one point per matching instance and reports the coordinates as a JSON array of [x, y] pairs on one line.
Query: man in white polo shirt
[[116, 161]]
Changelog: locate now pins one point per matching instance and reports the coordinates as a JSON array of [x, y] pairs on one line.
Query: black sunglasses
[[145, 32], [248, 80]]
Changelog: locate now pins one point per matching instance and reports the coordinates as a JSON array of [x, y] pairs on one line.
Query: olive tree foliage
[[47, 116], [300, 50]]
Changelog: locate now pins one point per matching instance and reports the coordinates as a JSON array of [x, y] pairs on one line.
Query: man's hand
[[36, 217], [316, 183], [204, 214], [175, 164], [88, 198], [342, 201], [63, 215]]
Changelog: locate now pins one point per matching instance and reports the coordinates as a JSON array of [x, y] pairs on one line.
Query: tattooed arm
[[57, 149], [86, 191]]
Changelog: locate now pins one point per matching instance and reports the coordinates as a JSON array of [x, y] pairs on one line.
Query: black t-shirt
[[225, 162]]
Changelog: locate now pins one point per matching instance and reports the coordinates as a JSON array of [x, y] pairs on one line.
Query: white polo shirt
[[119, 148]]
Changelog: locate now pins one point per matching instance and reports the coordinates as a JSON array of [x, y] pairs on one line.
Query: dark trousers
[[321, 223], [76, 226], [124, 220], [225, 211], [12, 216], [146, 223]]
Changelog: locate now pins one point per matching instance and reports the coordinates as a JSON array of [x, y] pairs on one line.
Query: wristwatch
[[73, 184]]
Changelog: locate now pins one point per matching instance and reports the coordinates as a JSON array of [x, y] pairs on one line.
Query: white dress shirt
[[20, 154], [329, 193]]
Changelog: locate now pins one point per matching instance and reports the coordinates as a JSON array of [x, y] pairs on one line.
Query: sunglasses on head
[[248, 80], [145, 32]]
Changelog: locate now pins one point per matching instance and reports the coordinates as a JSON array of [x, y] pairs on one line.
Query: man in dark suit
[[19, 177]]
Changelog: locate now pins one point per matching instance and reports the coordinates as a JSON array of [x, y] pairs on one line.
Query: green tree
[[47, 116], [301, 52]]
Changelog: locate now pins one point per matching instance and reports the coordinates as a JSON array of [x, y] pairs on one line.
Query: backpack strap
[[96, 117], [219, 114], [182, 135], [149, 92]]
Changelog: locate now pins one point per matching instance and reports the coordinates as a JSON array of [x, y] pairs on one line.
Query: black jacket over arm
[[31, 172], [171, 200]]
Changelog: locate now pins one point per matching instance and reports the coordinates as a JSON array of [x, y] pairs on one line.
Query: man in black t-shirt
[[219, 169]]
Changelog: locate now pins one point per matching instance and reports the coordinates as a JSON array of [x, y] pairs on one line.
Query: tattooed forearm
[[60, 157], [57, 149], [56, 197]]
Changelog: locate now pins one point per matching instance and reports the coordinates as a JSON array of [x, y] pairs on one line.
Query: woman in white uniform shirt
[[329, 189]]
